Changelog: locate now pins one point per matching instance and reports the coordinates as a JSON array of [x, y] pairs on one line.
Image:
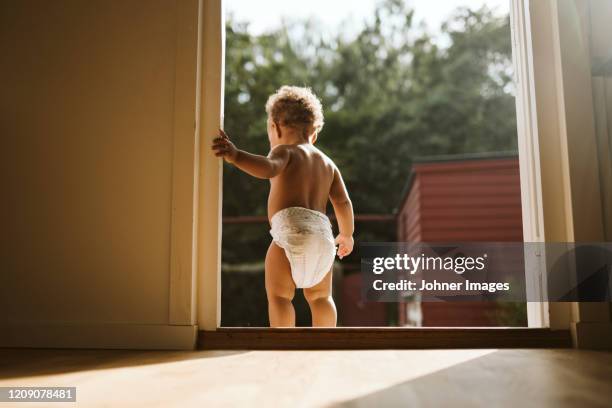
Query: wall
[[88, 122], [591, 327], [463, 200], [600, 33]]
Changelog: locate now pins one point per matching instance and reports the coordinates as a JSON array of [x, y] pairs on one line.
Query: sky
[[264, 15]]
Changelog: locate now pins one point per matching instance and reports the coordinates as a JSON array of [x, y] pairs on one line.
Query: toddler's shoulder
[[328, 160], [280, 151]]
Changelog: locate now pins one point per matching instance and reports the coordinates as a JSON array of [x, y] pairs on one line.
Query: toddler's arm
[[344, 214], [264, 167]]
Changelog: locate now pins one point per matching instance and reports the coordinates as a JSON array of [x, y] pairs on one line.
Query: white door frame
[[211, 70], [528, 152]]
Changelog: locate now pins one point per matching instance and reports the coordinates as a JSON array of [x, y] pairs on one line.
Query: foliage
[[390, 92]]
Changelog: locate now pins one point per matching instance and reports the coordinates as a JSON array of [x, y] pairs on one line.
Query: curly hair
[[296, 107]]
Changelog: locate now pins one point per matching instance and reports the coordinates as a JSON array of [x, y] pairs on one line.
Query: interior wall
[[600, 34], [86, 118], [590, 321]]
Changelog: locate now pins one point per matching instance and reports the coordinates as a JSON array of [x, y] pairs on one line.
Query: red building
[[460, 199]]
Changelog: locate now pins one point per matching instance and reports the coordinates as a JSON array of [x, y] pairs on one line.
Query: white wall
[[87, 120], [600, 34]]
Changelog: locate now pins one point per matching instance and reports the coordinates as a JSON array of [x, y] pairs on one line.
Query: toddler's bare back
[[305, 182]]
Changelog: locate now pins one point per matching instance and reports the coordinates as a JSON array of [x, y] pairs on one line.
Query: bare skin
[[300, 176]]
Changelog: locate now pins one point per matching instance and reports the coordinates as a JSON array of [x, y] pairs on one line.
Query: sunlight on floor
[[239, 378]]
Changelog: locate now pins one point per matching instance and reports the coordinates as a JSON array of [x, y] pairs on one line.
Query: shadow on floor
[[15, 362], [538, 378]]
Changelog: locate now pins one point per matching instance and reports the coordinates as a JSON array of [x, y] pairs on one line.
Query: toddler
[[302, 179]]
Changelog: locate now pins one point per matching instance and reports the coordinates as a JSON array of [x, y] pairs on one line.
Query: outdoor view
[[419, 113]]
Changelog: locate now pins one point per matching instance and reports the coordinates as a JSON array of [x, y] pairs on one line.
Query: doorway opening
[[419, 105]]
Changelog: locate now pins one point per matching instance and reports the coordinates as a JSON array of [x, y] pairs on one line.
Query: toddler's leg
[[280, 288], [322, 307]]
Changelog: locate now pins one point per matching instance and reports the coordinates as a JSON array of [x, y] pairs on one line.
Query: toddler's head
[[294, 110]]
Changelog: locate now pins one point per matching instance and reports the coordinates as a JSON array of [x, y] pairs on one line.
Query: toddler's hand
[[223, 147], [345, 245]]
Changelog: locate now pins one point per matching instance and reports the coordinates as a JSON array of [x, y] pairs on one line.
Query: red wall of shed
[[475, 200], [462, 201]]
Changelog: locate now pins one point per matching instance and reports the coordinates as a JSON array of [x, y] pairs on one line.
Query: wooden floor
[[364, 378]]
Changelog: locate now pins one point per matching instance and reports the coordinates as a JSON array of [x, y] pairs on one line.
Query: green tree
[[390, 94]]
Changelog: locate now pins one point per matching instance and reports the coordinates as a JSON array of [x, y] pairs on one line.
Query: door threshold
[[355, 338]]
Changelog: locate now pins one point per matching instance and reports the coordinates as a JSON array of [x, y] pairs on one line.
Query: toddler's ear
[[277, 129], [313, 138]]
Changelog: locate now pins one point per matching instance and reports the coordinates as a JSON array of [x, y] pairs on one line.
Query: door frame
[[528, 151], [536, 118], [209, 169]]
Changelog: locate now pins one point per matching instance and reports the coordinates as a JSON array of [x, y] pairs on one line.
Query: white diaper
[[307, 238]]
